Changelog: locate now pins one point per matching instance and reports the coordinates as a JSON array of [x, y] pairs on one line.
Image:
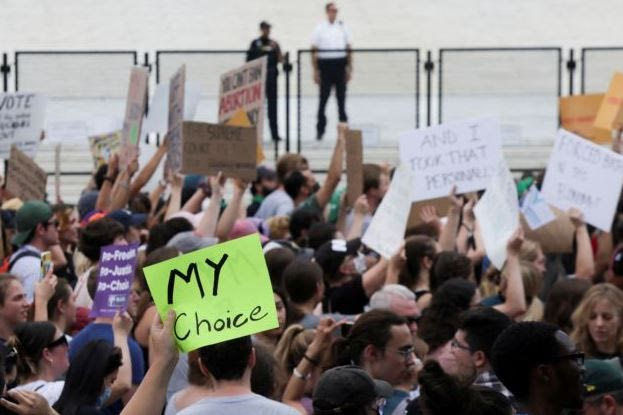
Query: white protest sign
[[21, 122], [387, 229], [535, 209], [156, 120], [462, 154], [497, 213], [586, 176]]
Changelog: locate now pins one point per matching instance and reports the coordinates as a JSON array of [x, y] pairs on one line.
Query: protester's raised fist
[[361, 205], [456, 201], [161, 342], [515, 241], [122, 323], [577, 217]]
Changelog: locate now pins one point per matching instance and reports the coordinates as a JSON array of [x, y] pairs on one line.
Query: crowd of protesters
[[435, 329]]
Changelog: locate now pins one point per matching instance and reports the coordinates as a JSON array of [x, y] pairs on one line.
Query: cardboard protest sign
[[354, 166], [116, 273], [244, 88], [586, 176], [497, 213], [176, 118], [210, 148], [462, 154], [134, 110], [25, 179], [578, 113], [218, 293], [610, 114], [22, 116], [386, 231], [556, 237], [441, 205], [103, 146], [535, 209]]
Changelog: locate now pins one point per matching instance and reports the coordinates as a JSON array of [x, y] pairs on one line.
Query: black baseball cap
[[344, 388], [264, 25], [331, 254], [128, 218]]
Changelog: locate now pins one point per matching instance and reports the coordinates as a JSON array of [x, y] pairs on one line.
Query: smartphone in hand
[[46, 262]]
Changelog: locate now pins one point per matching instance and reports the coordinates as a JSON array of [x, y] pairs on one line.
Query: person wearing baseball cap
[[37, 231], [348, 280], [349, 390], [132, 223], [603, 381]]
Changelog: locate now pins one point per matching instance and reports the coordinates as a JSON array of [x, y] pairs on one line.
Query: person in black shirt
[[265, 46]]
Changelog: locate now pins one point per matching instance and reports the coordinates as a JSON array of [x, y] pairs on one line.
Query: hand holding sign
[[218, 293]]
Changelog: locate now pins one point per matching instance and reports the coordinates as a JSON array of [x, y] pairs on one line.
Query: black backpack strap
[[23, 254]]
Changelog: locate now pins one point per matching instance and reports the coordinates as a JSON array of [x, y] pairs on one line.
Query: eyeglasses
[[58, 342], [578, 358], [405, 353], [456, 345]]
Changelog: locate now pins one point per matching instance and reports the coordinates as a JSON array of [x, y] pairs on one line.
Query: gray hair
[[382, 298]]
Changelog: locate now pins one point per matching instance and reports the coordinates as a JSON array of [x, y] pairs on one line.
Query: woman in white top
[[41, 358]]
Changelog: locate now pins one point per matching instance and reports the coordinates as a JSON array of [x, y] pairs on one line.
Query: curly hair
[[581, 316]]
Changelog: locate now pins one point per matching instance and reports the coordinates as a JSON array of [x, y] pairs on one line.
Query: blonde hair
[[278, 227], [581, 316], [292, 346], [529, 251]]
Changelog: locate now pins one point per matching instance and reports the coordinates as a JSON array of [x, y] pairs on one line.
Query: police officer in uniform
[[265, 46], [331, 67]]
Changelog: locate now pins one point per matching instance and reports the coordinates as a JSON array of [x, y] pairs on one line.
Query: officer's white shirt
[[331, 36]]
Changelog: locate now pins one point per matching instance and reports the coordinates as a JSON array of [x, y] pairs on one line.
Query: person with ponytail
[[41, 358], [90, 379]]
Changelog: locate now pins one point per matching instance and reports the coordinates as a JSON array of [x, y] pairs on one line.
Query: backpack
[[7, 264]]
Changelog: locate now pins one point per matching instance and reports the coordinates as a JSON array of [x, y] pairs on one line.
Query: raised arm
[[334, 174], [295, 389], [148, 170], [515, 303], [447, 238], [44, 291], [584, 260], [121, 191], [121, 327], [175, 202], [150, 397], [207, 225], [360, 210], [232, 211], [374, 278], [105, 193]]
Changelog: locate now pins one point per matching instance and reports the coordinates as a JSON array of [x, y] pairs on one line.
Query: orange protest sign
[[610, 114], [578, 113]]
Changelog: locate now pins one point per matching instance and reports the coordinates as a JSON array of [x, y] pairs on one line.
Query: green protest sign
[[218, 293]]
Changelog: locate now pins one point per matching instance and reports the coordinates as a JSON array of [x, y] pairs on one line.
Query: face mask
[[103, 398], [360, 263]]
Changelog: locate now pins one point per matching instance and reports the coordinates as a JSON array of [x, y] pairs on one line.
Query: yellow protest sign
[[241, 119], [218, 293]]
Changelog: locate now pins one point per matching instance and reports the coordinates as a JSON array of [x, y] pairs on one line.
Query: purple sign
[[117, 266]]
